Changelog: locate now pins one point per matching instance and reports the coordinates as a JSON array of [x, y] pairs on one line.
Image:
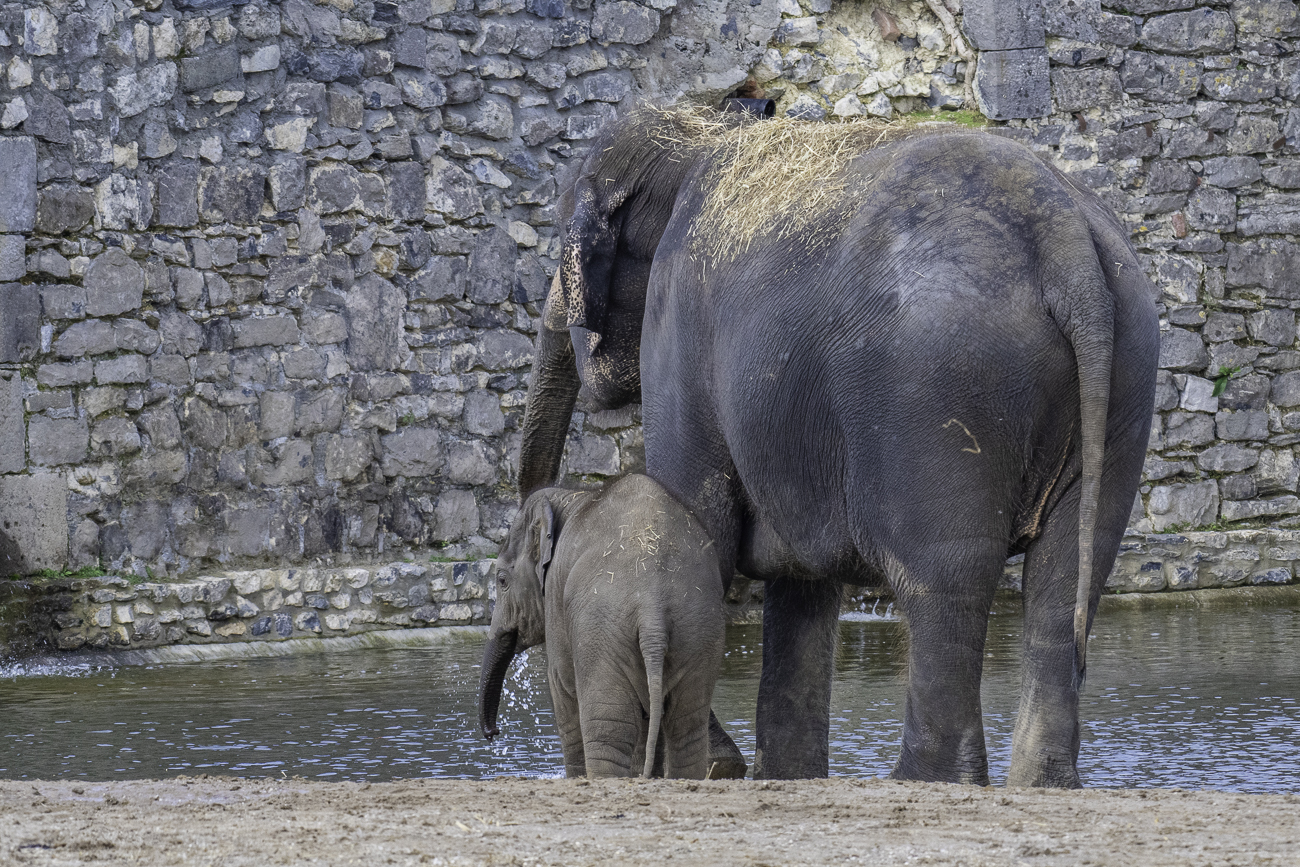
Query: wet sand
[[233, 822]]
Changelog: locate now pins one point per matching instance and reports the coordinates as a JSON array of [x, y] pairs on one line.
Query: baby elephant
[[623, 586]]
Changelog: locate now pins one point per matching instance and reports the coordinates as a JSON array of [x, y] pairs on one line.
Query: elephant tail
[[653, 653], [1085, 312]]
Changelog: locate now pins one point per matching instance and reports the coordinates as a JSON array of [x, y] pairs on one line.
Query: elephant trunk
[[497, 655], [552, 394]]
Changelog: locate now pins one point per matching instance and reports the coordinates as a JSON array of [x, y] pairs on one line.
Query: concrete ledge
[[280, 605]]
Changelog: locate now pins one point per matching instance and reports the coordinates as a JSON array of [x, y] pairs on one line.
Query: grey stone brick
[[1199, 31], [406, 194], [13, 425], [20, 322], [232, 193], [1276, 472], [1231, 172], [1241, 425], [137, 91], [1212, 210], [13, 257], [501, 349], [491, 267], [1013, 84], [1137, 142], [1181, 350], [1286, 389], [210, 68], [129, 368], [287, 180], [1227, 458], [113, 437], [1269, 214], [483, 414], [346, 457], [1270, 263], [333, 188], [53, 442], [177, 183], [17, 184], [36, 523], [1000, 25], [114, 284], [1273, 326], [62, 375], [442, 56], [47, 118], [625, 22], [374, 309], [1193, 505], [1077, 89], [413, 452], [1160, 78], [1194, 141], [265, 331], [63, 208], [455, 516], [1250, 84], [471, 463]]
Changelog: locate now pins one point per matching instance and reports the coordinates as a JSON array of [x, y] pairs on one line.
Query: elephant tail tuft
[[653, 653]]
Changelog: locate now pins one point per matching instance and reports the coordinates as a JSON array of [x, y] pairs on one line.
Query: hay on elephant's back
[[777, 175]]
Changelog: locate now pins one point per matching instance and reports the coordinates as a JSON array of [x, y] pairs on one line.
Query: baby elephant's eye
[[502, 582]]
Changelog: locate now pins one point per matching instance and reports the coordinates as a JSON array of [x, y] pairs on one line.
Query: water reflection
[[1181, 697]]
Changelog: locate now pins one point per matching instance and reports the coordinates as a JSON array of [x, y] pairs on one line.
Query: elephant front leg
[[800, 627]]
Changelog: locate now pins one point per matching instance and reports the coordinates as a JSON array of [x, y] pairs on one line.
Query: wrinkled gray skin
[[623, 586], [955, 365]]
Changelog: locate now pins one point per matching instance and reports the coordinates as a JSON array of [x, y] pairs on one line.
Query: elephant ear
[[545, 541], [583, 279]]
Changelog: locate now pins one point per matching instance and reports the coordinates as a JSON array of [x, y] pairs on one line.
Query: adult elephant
[[866, 356]]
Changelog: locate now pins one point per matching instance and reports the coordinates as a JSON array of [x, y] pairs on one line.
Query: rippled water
[[1205, 698]]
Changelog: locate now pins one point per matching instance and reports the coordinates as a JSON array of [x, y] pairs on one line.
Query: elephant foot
[[1045, 774], [726, 768], [725, 759]]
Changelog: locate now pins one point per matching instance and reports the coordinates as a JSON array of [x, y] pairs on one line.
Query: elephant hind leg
[[686, 737], [945, 592], [612, 727]]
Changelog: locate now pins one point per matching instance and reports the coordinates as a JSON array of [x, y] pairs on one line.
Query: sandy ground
[[232, 822]]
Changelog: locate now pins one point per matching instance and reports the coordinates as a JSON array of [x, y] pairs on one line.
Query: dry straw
[[777, 175]]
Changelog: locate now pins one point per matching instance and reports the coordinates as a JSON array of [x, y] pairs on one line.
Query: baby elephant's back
[[647, 533]]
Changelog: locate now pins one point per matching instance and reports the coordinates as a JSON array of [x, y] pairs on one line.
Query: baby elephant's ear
[[545, 541]]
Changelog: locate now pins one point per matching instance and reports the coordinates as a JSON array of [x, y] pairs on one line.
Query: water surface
[[1193, 698]]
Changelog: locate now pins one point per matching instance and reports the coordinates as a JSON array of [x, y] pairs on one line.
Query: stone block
[[616, 21], [333, 188], [1269, 214], [1276, 472], [347, 457], [1239, 425], [491, 266], [1002, 25], [1013, 84], [1188, 429], [1181, 350], [114, 437], [129, 368], [1230, 172], [53, 442], [1273, 326], [210, 68], [177, 183], [137, 91], [374, 308], [62, 208], [1183, 506], [265, 331], [1087, 87], [1250, 509], [1160, 78], [1270, 263], [20, 322], [13, 257], [483, 414], [232, 194], [413, 452], [471, 463], [455, 516], [34, 528], [17, 184], [13, 424], [114, 284], [1227, 458], [1249, 84], [1199, 31], [406, 193]]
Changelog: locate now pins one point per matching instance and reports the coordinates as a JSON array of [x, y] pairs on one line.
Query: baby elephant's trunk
[[496, 660]]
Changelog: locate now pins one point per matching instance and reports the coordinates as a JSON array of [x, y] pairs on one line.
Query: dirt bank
[[230, 822]]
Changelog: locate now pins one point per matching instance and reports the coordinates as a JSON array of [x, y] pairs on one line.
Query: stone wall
[[269, 272]]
